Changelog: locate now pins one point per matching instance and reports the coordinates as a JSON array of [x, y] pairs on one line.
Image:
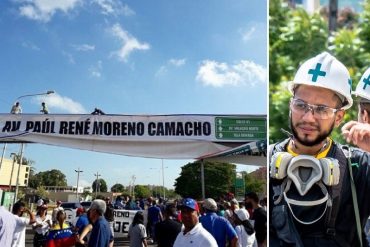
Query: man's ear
[[339, 117], [365, 116]]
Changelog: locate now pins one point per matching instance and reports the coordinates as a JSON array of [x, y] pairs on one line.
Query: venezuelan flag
[[61, 237]]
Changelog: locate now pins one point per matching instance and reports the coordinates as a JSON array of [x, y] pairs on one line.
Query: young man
[[193, 233], [167, 230], [20, 232], [312, 200], [259, 217]]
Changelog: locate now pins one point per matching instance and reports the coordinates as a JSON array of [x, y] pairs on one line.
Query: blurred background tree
[[295, 36]]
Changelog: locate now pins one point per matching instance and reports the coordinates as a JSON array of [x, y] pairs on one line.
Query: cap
[[190, 203], [234, 201], [40, 202], [242, 214], [80, 210], [210, 204]]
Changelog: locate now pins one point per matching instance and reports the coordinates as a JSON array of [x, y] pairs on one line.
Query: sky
[[131, 57]]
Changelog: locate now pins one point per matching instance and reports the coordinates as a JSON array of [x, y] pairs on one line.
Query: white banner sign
[[122, 221], [167, 136]]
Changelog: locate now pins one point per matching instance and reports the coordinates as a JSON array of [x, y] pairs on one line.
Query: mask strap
[[326, 199]]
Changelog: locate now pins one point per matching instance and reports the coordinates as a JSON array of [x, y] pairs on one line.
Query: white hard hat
[[363, 86], [325, 71]]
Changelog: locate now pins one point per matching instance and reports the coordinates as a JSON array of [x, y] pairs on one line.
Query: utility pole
[[97, 175], [11, 174], [333, 13], [133, 178], [164, 190], [2, 156], [19, 169], [78, 179]]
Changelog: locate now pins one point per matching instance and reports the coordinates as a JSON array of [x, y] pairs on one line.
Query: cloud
[[114, 7], [60, 103], [69, 56], [249, 31], [161, 71], [43, 10], [177, 62], [171, 62], [216, 74], [83, 47], [95, 71], [247, 35], [129, 43], [30, 46]]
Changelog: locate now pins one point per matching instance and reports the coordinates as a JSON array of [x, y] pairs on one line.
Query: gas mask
[[304, 171]]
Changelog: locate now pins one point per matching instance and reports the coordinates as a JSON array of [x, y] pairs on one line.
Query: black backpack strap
[[335, 191]]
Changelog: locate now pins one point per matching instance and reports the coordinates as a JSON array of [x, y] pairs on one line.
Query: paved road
[[117, 241]]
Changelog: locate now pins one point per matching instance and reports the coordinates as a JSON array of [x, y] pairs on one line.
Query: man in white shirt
[[193, 233], [21, 223], [7, 226]]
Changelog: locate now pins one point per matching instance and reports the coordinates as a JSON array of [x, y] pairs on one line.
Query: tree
[[53, 178], [99, 185], [33, 180], [142, 191], [253, 184], [41, 192], [47, 178], [117, 188], [219, 179]]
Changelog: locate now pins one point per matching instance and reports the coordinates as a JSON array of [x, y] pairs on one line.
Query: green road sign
[[251, 129]]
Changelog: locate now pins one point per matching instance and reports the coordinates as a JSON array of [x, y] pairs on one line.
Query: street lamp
[[35, 94], [22, 144]]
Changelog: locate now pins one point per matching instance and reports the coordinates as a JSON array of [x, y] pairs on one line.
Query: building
[[9, 173], [73, 189]]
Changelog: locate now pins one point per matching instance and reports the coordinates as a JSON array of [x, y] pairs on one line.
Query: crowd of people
[[206, 223], [178, 223]]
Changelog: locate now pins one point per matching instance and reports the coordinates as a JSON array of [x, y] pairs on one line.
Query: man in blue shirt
[[154, 216], [218, 226], [101, 235]]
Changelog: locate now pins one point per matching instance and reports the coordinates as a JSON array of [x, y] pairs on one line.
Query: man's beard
[[319, 139]]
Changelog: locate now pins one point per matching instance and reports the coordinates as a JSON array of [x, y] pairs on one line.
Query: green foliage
[[52, 177], [253, 184], [219, 179], [117, 188], [142, 191], [278, 112], [99, 185], [171, 194], [296, 36], [41, 192]]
